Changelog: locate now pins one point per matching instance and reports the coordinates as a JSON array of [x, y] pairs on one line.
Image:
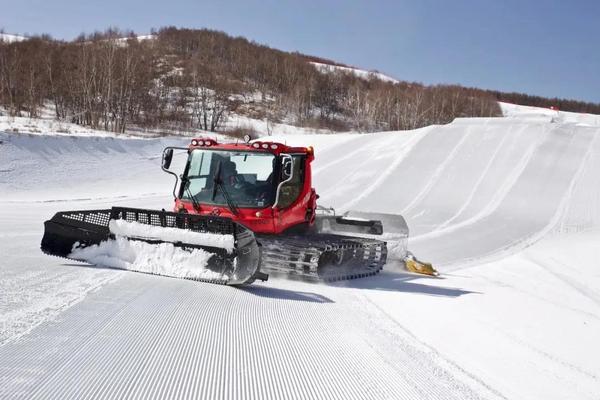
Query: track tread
[[299, 256]]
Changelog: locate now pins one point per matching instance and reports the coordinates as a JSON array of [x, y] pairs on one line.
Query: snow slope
[[361, 73], [10, 38], [504, 179], [516, 111], [45, 126], [507, 208]]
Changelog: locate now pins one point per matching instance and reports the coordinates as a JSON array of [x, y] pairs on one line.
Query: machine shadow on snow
[[261, 291], [387, 281], [285, 294], [401, 282]]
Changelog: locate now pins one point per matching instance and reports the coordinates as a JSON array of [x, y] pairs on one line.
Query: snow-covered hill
[[361, 73], [7, 37], [507, 208]]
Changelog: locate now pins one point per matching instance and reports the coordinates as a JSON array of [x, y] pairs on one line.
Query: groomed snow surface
[[508, 209]]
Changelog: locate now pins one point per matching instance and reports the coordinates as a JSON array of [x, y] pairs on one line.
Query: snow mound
[[527, 112], [9, 38], [161, 259], [36, 167], [120, 227], [47, 126]]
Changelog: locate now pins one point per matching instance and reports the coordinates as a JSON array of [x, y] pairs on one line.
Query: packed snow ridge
[[134, 229], [164, 259], [7, 37]]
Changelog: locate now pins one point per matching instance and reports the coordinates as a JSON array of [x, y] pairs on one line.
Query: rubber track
[[300, 256]]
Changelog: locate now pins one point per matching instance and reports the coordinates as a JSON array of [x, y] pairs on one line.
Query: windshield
[[246, 177]]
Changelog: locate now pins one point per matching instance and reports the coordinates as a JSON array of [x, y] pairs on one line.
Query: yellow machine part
[[419, 267]]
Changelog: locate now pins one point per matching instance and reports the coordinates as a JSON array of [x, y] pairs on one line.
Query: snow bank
[[121, 227], [47, 126], [266, 128], [527, 112], [162, 259], [10, 38], [36, 167]]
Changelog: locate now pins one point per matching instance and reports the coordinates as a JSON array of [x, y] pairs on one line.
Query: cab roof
[[263, 146]]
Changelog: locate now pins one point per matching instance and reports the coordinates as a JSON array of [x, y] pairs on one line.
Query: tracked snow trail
[[149, 337]]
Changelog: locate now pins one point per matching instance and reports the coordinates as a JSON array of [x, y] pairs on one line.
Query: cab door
[[292, 200]]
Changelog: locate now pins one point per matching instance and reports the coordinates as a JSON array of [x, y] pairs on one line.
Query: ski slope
[[507, 208]]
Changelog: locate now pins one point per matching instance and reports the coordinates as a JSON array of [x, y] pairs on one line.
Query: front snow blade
[[204, 248]]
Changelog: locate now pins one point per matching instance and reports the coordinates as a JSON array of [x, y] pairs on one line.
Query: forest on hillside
[[184, 78]]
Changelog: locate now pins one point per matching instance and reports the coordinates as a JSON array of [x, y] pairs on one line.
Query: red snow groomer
[[257, 196]]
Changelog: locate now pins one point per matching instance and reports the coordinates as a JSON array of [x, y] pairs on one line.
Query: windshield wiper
[[216, 181], [192, 198], [218, 184], [228, 199], [185, 181]]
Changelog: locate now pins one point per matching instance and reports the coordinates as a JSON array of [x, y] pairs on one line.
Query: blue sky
[[549, 48]]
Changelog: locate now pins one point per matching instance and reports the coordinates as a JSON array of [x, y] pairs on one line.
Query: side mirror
[[167, 158]]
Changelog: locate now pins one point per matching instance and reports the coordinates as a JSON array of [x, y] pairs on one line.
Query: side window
[[198, 170], [200, 164], [291, 190]]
